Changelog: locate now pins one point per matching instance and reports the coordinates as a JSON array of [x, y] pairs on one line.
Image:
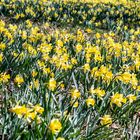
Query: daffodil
[[2, 46], [86, 67], [52, 84], [99, 92], [78, 48], [34, 73], [1, 57], [55, 126], [60, 43], [38, 108], [75, 104], [131, 98], [19, 110], [118, 99], [75, 94], [90, 102], [36, 83], [60, 138], [4, 77], [106, 120], [19, 79]]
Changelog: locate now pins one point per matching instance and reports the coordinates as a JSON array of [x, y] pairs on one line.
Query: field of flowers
[[70, 69]]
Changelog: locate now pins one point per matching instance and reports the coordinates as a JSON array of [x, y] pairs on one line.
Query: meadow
[[70, 69]]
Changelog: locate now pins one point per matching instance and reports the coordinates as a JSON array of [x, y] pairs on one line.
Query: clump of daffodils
[[29, 113]]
